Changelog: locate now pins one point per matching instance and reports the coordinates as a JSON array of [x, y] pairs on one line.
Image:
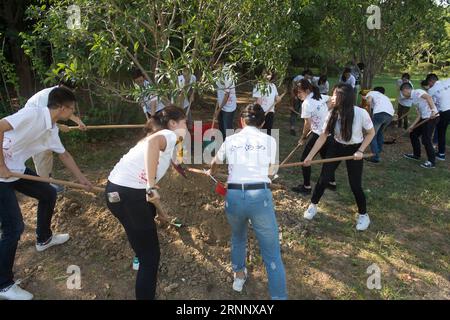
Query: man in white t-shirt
[[404, 104], [440, 92], [43, 161], [28, 132], [427, 113], [186, 82], [383, 111], [348, 78], [226, 99], [150, 103]]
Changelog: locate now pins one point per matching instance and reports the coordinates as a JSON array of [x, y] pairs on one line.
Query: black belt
[[252, 186]]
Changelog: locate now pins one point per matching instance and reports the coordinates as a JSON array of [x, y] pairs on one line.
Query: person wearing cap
[[250, 154]]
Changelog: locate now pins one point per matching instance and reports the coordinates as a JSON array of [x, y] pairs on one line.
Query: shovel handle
[[299, 164], [118, 126], [55, 181]]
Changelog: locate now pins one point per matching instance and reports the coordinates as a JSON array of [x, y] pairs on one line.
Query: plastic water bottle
[[135, 263]]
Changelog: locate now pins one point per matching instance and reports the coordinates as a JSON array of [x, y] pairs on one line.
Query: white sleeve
[[353, 81], [55, 142], [367, 122], [306, 110], [327, 86], [273, 150], [221, 154], [275, 90], [23, 117]]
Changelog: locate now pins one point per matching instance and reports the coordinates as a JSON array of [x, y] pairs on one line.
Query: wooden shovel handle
[[299, 164], [118, 126], [55, 181]]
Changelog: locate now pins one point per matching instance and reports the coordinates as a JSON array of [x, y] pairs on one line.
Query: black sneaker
[[293, 133], [440, 157], [301, 189], [411, 156], [331, 187], [428, 165]]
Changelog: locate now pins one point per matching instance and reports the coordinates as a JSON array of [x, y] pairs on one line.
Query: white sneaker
[[238, 284], [14, 292], [54, 241], [310, 212], [363, 222]]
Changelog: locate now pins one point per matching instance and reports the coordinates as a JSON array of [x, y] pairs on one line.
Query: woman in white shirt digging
[[132, 196], [347, 124], [249, 154]]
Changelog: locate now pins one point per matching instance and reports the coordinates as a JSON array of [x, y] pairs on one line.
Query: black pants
[[306, 171], [444, 120], [225, 122], [402, 110], [137, 217], [425, 132], [354, 173], [268, 123], [11, 220]]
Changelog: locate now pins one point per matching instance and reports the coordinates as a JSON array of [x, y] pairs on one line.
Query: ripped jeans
[[256, 206]]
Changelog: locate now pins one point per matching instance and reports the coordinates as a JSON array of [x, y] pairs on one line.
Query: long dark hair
[[160, 120], [304, 85], [322, 80], [344, 109]]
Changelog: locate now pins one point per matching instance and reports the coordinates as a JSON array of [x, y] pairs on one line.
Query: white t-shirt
[[361, 121], [422, 105], [227, 85], [148, 99], [182, 85], [351, 80], [324, 88], [381, 103], [316, 111], [440, 93], [267, 96], [130, 170], [249, 154], [40, 98], [33, 132]]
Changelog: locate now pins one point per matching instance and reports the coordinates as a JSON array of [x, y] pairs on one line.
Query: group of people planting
[[334, 127]]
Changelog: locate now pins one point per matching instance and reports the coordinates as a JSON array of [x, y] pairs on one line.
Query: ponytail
[[304, 85]]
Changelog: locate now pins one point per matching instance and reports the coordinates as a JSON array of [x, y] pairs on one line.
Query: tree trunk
[[13, 13]]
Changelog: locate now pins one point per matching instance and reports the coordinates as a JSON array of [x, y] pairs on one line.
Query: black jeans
[[306, 171], [354, 173], [137, 217], [225, 122], [268, 123], [12, 224], [402, 110], [444, 120], [425, 131]]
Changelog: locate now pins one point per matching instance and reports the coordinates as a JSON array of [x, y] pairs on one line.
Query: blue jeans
[[256, 206], [225, 122], [380, 122]]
